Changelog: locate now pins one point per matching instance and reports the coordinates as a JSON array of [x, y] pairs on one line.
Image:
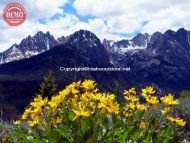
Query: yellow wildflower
[[108, 104], [39, 101], [37, 111], [18, 122], [34, 122], [130, 105], [177, 121], [181, 122], [56, 121], [135, 106], [38, 98], [132, 98], [166, 110], [128, 113], [26, 113], [131, 91], [81, 111], [148, 92], [97, 97], [86, 97], [64, 93], [152, 101], [140, 107], [55, 102], [88, 84], [130, 95], [73, 90], [110, 96], [4, 138], [76, 84], [72, 101], [142, 125], [169, 100]]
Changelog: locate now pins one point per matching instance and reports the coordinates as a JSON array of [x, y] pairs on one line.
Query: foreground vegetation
[[82, 114]]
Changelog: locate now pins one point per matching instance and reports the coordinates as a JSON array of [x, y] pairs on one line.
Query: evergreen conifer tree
[[48, 86]]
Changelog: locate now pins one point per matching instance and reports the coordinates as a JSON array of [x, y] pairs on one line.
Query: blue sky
[[110, 19]]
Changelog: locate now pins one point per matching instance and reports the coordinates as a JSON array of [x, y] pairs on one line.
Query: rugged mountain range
[[151, 57], [161, 60], [29, 46], [20, 80]]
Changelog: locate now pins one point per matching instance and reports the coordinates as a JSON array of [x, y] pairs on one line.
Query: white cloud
[[98, 25], [126, 16], [36, 9], [101, 8], [12, 35], [111, 18], [170, 18]]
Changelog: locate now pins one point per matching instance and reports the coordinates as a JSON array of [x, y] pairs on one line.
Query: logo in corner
[[14, 14]]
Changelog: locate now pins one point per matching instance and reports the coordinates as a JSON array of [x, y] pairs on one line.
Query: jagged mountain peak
[[41, 42], [83, 32], [164, 62], [61, 40], [157, 34], [85, 38], [169, 32], [42, 34], [140, 35], [181, 30], [154, 58], [84, 35], [139, 42], [29, 46]]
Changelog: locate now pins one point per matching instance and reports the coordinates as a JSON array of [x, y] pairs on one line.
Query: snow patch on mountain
[[138, 43], [123, 50]]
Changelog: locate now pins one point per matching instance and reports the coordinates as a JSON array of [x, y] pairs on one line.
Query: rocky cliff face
[[159, 58], [28, 47]]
